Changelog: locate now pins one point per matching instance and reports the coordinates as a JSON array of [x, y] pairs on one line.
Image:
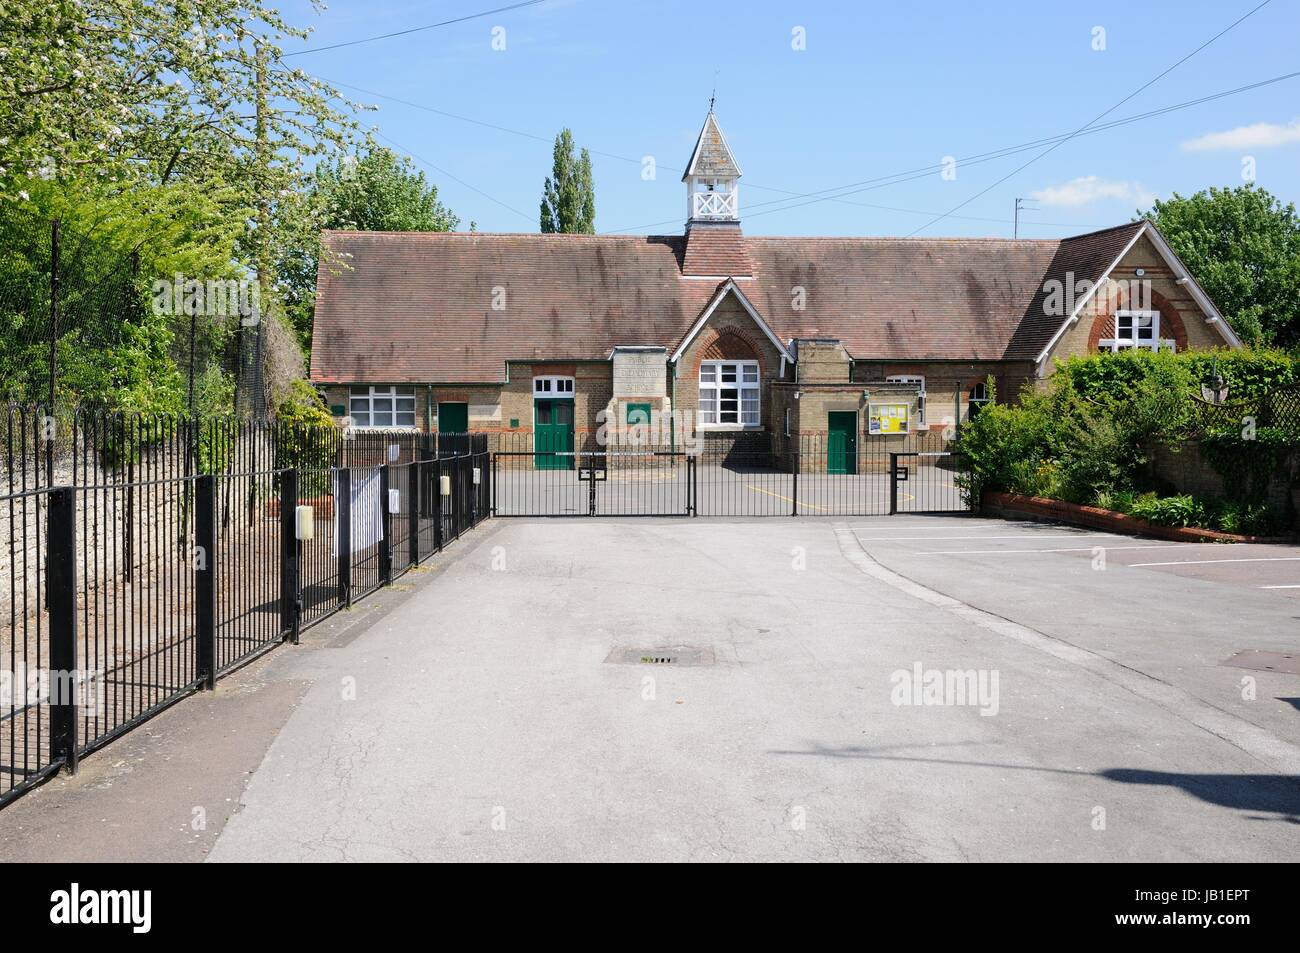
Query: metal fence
[[809, 475], [135, 582]]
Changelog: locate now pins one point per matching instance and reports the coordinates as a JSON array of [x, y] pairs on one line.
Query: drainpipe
[[428, 408]]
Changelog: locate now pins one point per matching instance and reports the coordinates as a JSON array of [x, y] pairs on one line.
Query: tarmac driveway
[[834, 691]]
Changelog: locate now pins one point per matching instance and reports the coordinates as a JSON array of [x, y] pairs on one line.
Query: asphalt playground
[[819, 688]]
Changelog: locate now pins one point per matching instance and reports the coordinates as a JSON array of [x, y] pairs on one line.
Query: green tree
[[373, 190], [128, 90], [1243, 247], [118, 114], [569, 195], [120, 344], [380, 191]]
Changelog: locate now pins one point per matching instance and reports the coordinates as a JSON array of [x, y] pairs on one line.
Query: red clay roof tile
[[419, 307]]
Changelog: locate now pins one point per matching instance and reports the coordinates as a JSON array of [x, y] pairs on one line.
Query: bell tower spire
[[711, 177]]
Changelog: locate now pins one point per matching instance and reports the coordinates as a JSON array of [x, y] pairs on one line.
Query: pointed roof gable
[[711, 157], [1093, 257], [728, 287]]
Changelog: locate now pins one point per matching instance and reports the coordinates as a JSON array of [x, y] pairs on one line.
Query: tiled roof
[[419, 307], [711, 156]]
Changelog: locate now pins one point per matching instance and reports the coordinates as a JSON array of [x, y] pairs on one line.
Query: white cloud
[[1091, 188], [1261, 135]]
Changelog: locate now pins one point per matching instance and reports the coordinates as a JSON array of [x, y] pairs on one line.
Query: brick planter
[[1014, 506]]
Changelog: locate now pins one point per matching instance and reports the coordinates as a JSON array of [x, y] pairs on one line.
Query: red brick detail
[[1171, 322], [716, 251], [727, 345]]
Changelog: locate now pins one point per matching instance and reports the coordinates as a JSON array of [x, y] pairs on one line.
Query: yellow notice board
[[887, 418]]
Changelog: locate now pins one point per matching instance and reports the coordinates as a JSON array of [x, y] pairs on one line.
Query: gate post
[[385, 547], [458, 494], [290, 605], [893, 484], [438, 541], [691, 478], [343, 532], [413, 504], [794, 486], [61, 596], [205, 581]]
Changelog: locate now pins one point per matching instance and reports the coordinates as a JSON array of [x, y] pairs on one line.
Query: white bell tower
[[712, 177]]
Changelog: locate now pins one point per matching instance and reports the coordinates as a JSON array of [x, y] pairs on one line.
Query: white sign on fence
[[367, 513]]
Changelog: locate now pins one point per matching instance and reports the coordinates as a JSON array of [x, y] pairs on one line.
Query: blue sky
[[879, 89]]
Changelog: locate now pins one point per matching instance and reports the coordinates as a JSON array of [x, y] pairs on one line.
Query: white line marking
[[1279, 587], [1247, 736], [1015, 552], [940, 539], [1202, 562]]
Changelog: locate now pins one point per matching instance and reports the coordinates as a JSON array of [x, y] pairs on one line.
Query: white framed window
[[919, 381], [978, 397], [552, 386], [382, 406], [1136, 329], [729, 394]]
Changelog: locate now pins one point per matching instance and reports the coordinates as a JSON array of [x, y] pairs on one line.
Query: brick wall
[[1183, 468]]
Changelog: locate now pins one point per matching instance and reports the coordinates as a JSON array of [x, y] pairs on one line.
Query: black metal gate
[[725, 481], [925, 482], [651, 482]]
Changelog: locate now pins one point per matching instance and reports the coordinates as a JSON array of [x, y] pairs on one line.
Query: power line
[[415, 29], [853, 188], [444, 172], [897, 178], [374, 130], [1093, 121]]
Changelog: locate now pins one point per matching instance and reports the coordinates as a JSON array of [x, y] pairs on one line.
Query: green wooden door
[[842, 442], [552, 433], [453, 418]]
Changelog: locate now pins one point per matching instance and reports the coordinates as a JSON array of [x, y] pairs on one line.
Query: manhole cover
[[676, 656], [1259, 661]]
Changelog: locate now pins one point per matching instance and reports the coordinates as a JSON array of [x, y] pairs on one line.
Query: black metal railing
[[137, 582]]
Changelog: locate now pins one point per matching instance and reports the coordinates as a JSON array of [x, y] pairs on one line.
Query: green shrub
[[1248, 373], [1011, 448], [310, 439], [1184, 510], [1117, 501]]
